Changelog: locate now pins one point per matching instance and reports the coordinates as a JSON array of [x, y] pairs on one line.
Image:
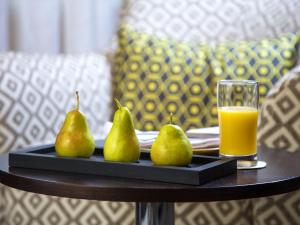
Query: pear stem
[[118, 104], [171, 118], [77, 100]]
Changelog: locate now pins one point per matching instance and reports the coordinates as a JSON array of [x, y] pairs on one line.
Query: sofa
[[36, 91]]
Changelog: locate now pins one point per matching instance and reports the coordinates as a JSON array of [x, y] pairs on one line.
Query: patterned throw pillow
[[279, 126], [265, 61], [36, 91], [155, 76]]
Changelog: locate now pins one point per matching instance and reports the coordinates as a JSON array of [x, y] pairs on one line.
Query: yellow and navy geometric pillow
[[154, 77], [265, 61]]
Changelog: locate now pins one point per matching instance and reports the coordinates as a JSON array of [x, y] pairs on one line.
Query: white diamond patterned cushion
[[36, 92], [213, 21], [279, 126]]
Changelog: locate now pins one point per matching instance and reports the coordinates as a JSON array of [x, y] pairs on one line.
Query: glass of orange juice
[[238, 117]]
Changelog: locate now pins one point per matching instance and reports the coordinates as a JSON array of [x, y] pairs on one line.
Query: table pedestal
[[154, 213]]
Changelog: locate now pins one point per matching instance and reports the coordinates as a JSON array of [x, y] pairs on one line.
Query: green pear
[[75, 138], [121, 144], [171, 147]]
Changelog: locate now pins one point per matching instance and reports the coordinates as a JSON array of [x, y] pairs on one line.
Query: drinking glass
[[238, 117]]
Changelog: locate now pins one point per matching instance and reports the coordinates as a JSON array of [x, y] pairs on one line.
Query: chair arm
[[279, 125]]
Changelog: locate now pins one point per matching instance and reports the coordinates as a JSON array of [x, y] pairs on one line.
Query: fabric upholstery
[[213, 21], [278, 209], [25, 208], [155, 77], [215, 213], [36, 91], [279, 126], [265, 61]]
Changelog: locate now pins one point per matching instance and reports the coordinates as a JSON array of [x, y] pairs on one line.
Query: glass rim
[[238, 82]]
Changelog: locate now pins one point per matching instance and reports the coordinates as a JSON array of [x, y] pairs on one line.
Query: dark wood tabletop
[[281, 175]]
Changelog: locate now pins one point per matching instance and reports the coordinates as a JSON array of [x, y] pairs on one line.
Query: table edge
[[188, 194]]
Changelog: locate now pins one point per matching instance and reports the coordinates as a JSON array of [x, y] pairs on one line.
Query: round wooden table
[[155, 199]]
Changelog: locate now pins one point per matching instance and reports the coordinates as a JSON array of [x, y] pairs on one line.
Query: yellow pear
[[121, 144], [171, 147], [75, 138]]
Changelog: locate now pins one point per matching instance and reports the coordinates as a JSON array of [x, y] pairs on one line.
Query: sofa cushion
[[36, 92], [155, 76], [213, 21]]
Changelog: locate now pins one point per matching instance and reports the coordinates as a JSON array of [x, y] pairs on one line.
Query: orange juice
[[237, 130]]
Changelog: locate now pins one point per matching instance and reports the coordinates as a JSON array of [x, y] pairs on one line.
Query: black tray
[[202, 168]]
